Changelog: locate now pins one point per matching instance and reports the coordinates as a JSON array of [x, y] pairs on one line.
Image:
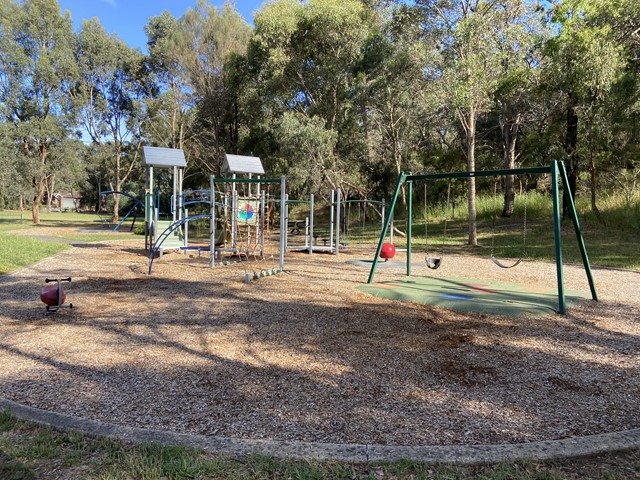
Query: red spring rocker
[[53, 296]]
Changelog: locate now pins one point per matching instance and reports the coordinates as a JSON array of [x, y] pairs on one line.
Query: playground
[[309, 355]]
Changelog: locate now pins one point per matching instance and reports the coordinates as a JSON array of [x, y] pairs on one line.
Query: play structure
[[136, 207], [53, 296], [315, 237], [247, 206], [236, 209], [348, 220], [558, 175]]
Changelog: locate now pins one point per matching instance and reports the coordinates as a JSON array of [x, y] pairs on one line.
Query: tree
[[394, 99], [109, 98], [211, 37], [585, 61], [469, 32], [170, 113], [519, 50], [302, 59], [38, 68]]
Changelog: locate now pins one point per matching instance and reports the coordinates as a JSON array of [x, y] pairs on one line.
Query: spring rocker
[[53, 296]]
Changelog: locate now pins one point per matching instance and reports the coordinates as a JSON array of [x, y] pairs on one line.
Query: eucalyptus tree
[[170, 110], [302, 57], [109, 98], [37, 69], [10, 181], [210, 37], [585, 61], [519, 48], [469, 33]]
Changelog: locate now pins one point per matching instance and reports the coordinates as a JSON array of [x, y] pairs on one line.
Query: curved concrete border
[[354, 453]]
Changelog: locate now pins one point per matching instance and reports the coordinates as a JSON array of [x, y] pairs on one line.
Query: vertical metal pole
[[180, 199], [382, 207], [186, 231], [338, 201], [285, 208], [174, 193], [261, 222], [558, 236], [212, 222], [311, 220], [331, 220], [234, 214], [283, 221], [578, 231], [234, 221], [383, 234], [409, 224], [152, 211]]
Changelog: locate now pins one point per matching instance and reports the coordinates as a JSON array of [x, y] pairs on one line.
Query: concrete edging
[[354, 453]]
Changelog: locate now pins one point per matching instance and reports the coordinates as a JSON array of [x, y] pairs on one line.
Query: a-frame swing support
[[558, 173]]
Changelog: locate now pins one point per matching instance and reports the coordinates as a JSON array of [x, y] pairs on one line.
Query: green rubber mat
[[467, 295]]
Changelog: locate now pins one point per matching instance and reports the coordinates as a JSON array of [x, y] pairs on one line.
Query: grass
[[17, 251], [31, 451], [613, 243]]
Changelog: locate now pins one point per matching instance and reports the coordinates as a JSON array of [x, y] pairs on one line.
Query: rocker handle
[[48, 280]]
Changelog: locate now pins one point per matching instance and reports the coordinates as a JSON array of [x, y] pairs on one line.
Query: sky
[[127, 18]]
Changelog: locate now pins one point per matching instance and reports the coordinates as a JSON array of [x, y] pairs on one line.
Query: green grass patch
[[18, 251], [27, 448]]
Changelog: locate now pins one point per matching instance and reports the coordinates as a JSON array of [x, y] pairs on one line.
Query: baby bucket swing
[[494, 259], [433, 262]]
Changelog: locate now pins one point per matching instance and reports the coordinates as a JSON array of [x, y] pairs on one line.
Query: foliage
[[38, 68], [332, 93]]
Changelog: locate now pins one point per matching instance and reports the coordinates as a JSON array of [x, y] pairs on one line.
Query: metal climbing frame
[[558, 173], [233, 181]]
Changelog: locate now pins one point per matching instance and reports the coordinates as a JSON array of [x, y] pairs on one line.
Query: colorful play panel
[[468, 295]]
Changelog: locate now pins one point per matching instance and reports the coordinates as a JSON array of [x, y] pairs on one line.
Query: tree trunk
[[471, 166], [571, 144], [38, 195], [50, 189], [509, 138], [39, 185], [593, 185], [118, 186]]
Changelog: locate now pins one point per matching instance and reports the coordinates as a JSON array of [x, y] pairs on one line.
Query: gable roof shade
[[242, 164], [163, 157]]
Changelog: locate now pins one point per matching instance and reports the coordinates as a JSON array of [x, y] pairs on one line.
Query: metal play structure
[[558, 174], [358, 215], [308, 226], [338, 234], [157, 228], [236, 209], [137, 206], [243, 213]]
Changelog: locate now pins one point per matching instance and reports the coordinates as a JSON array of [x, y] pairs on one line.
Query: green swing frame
[[558, 173]]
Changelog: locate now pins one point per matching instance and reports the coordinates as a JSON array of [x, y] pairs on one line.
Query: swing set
[[558, 174]]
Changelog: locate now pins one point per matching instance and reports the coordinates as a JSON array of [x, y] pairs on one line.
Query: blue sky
[[127, 18]]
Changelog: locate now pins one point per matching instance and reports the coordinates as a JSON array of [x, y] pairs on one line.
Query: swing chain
[[524, 237]]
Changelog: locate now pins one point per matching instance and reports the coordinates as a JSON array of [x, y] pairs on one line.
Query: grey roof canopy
[[163, 157], [242, 164]]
